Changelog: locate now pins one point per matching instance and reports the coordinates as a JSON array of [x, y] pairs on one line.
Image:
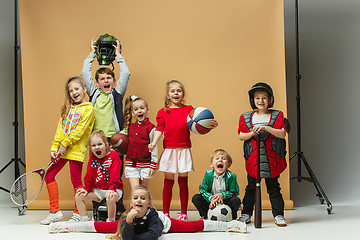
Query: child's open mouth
[[107, 86], [98, 152], [220, 166]]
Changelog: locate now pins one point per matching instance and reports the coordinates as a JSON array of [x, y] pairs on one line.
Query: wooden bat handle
[[258, 209]]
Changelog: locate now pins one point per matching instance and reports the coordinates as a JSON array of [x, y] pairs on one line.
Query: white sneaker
[[74, 218], [280, 221], [237, 226], [84, 219], [52, 217], [244, 218], [59, 227]]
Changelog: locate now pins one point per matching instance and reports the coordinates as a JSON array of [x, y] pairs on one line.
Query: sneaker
[[59, 227], [84, 219], [237, 226], [74, 218], [280, 221], [52, 217], [166, 214], [182, 216], [110, 220], [245, 218]]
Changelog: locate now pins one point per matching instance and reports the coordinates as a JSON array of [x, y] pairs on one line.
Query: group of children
[[93, 123]]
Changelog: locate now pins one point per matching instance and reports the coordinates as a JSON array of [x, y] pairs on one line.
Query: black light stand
[[16, 160], [300, 155]]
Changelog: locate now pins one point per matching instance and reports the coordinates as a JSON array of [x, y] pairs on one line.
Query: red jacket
[[138, 154], [275, 147], [103, 173]]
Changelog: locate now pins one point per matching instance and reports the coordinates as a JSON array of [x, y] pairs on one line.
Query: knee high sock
[[178, 226], [215, 226], [75, 207], [53, 196], [167, 194], [82, 226], [106, 227], [184, 193]]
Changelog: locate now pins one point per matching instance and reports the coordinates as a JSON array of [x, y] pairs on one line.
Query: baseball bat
[[258, 220]]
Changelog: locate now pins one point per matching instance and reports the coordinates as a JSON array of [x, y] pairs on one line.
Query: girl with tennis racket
[[69, 145]]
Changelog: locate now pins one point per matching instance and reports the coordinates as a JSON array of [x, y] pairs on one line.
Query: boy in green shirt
[[219, 186]]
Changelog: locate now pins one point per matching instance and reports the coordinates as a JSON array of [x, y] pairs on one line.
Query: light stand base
[[320, 192]]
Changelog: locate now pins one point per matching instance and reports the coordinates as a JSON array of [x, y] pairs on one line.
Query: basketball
[[199, 120], [220, 212], [120, 142]]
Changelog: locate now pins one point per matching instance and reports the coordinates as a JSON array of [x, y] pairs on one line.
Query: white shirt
[[218, 185], [262, 119]]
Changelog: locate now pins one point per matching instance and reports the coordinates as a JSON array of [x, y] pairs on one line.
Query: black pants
[[273, 189], [203, 206]]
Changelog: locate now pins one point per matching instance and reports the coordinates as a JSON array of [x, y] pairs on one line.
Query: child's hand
[[131, 215], [259, 129], [81, 191], [54, 156], [214, 124], [110, 194], [216, 199], [93, 47], [152, 172], [117, 47], [151, 147]]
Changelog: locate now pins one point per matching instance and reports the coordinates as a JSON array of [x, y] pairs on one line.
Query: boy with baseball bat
[[271, 126]]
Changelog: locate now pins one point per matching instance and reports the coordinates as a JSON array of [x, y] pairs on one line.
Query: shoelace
[[75, 218]]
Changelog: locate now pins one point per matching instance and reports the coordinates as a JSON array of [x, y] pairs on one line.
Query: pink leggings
[[75, 171], [176, 226]]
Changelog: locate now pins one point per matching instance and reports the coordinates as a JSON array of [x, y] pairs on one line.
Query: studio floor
[[310, 222]]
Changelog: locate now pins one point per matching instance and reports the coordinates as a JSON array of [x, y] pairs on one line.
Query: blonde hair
[[221, 152], [167, 100], [99, 134], [128, 110], [68, 100], [120, 226]]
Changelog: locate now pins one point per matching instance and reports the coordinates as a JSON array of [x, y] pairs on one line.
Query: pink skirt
[[176, 160]]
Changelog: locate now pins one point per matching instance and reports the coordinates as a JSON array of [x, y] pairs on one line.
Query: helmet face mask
[[261, 87], [105, 49]]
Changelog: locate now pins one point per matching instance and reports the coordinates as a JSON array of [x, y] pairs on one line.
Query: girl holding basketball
[[140, 164], [102, 177], [142, 221], [176, 157], [69, 145]]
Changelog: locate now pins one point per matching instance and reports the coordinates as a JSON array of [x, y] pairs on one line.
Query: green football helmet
[[105, 49]]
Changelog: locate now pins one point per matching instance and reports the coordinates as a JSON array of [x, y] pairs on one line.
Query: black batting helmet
[[261, 86]]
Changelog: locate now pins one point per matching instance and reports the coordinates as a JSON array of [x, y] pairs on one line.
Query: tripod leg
[[321, 192], [21, 210]]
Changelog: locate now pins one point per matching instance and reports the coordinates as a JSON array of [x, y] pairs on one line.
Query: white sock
[[215, 226], [82, 227]]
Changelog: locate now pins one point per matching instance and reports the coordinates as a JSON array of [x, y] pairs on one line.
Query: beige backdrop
[[218, 49]]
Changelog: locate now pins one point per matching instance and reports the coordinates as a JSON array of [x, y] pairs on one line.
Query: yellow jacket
[[74, 130]]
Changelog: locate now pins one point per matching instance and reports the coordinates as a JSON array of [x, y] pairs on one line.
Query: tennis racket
[[28, 186]]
